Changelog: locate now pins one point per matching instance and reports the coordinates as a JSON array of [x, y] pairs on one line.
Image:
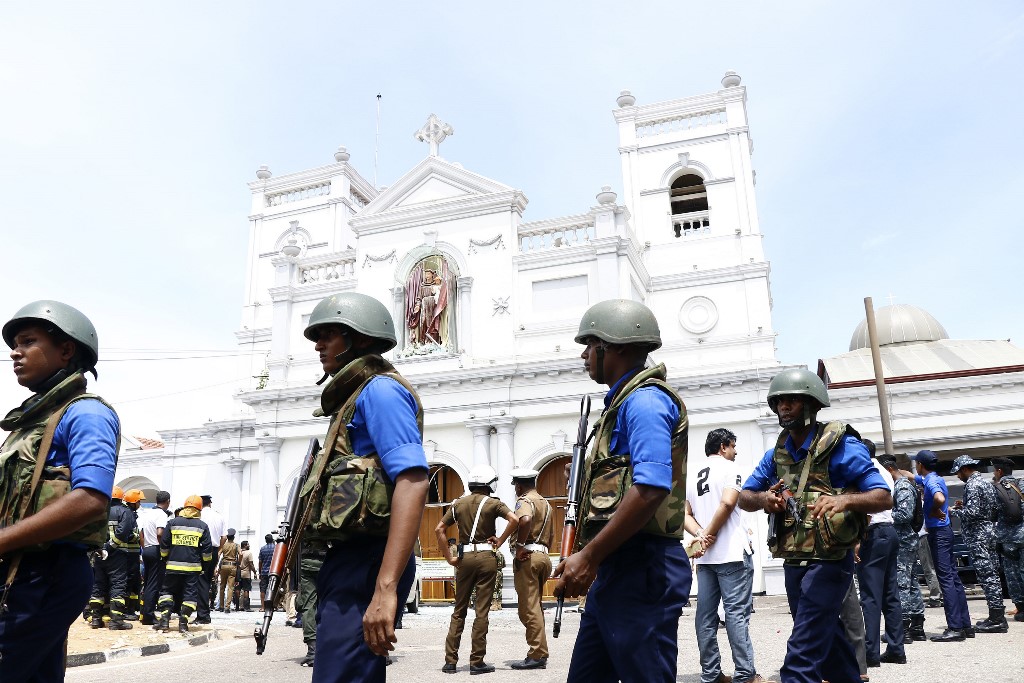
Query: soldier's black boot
[[908, 639], [1019, 616], [310, 654], [182, 625], [117, 623], [917, 627], [996, 622]]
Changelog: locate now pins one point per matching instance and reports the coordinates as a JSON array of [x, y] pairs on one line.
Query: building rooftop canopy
[[899, 324]]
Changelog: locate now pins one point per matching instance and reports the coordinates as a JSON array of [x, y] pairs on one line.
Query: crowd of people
[[836, 510]]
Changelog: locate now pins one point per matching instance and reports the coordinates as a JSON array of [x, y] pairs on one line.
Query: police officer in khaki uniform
[[475, 565], [229, 554], [532, 564]]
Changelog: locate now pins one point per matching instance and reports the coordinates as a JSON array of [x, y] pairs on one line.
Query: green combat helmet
[[359, 312], [620, 321], [798, 382], [67, 319]]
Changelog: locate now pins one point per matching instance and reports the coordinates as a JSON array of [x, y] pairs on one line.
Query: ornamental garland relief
[[698, 315]]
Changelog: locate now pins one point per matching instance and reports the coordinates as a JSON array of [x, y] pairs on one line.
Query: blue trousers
[[818, 649], [731, 584], [154, 579], [48, 594], [344, 589], [879, 591], [630, 629], [954, 600]]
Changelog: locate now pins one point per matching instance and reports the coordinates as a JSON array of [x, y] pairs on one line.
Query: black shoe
[[475, 669], [310, 654], [892, 658], [531, 664], [388, 661], [968, 631], [934, 602], [182, 626], [147, 621], [203, 620], [948, 636], [873, 664], [118, 624], [162, 625], [917, 627], [131, 617], [996, 622], [448, 668], [96, 622]]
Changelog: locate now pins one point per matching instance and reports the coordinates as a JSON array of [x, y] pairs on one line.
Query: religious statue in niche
[[429, 318]]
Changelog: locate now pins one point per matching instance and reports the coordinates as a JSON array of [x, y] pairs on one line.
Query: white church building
[[487, 302]]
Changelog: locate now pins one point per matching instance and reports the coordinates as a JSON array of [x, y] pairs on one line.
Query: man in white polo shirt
[[151, 525], [725, 572]]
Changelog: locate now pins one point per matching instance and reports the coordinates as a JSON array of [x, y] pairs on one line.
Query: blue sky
[[887, 147]]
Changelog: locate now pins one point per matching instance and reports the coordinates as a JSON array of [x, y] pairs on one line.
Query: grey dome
[[899, 324]]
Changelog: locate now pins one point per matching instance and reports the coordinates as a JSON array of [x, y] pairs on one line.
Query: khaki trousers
[[227, 585], [476, 570], [529, 578]]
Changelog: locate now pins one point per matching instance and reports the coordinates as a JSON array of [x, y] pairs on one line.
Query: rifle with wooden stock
[[287, 546], [579, 454]]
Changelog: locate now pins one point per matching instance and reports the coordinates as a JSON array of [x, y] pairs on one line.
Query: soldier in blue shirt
[[369, 486], [43, 552], [940, 540], [834, 484], [629, 534]]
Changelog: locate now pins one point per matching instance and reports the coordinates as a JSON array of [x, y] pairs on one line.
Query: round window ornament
[[698, 315]]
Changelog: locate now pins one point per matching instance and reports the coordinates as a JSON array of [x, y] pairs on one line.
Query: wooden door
[[445, 486], [553, 485]]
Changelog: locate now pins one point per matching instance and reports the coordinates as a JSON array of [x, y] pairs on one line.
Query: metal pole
[[876, 361], [376, 145]]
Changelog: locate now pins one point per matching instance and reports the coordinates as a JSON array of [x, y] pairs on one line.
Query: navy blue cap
[[927, 458]]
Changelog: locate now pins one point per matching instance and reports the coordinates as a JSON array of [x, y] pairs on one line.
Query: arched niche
[[428, 303]]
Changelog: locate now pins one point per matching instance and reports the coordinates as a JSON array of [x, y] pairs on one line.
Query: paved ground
[[421, 652]]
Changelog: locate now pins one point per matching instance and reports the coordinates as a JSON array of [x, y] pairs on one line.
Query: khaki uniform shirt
[[246, 566], [541, 529], [463, 512], [229, 553]]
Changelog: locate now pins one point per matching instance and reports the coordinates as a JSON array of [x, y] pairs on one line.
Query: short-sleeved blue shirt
[[384, 423], [849, 466], [643, 427], [933, 484], [86, 441]]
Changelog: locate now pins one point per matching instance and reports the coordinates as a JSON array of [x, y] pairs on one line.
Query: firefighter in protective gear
[[835, 484], [112, 568], [61, 450], [184, 546], [133, 499], [375, 439], [632, 507]]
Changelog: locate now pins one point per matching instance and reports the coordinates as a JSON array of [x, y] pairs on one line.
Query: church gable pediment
[[433, 181]]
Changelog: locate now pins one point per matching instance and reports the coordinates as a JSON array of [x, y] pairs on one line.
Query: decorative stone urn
[[625, 99], [606, 196], [731, 79], [342, 155]]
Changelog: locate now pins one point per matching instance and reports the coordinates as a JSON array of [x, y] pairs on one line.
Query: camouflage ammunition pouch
[[607, 477], [350, 494], [832, 536], [23, 492]]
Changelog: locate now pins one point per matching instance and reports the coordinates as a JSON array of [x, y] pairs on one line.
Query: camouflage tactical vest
[[831, 537], [354, 496], [607, 476], [19, 454]]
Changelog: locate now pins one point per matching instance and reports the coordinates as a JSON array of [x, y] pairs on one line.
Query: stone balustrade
[[556, 234], [689, 121], [337, 266], [691, 224], [299, 193]]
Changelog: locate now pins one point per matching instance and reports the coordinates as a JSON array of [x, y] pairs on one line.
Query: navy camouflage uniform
[[978, 528], [904, 500], [1010, 538]]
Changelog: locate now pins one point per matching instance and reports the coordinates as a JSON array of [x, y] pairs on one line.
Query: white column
[[481, 441], [505, 460], [464, 322], [270, 455], [280, 337], [234, 512], [398, 313]]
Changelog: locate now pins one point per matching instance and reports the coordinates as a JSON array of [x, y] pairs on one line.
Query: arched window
[[689, 200], [445, 486]]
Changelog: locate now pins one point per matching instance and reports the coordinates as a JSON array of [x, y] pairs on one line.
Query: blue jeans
[[818, 649], [879, 592], [954, 600], [630, 629], [729, 583]]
